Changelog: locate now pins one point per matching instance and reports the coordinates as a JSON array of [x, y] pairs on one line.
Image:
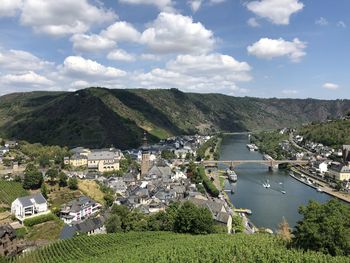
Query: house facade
[[79, 209], [28, 206], [103, 161]]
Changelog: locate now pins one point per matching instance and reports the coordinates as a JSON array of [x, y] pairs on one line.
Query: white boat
[[231, 175], [266, 184], [283, 192], [319, 190]]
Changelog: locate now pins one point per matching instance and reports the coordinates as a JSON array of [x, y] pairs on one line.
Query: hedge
[[39, 219], [208, 184]]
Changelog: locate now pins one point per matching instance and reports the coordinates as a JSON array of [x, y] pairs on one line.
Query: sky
[[259, 48]]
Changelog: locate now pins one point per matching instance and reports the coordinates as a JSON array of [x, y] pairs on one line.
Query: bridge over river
[[272, 164]]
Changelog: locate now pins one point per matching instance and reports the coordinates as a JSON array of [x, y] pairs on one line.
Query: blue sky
[[261, 48]]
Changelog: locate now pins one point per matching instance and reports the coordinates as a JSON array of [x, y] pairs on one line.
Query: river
[[268, 205]]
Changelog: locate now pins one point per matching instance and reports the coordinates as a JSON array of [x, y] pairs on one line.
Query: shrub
[[39, 219]]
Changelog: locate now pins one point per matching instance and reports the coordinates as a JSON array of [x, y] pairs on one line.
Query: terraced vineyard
[[170, 247], [9, 191]]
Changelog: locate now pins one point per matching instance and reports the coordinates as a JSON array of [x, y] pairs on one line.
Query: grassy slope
[[335, 133], [98, 117], [9, 191], [169, 247]]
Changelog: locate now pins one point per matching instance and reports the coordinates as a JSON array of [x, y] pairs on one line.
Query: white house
[[79, 209], [24, 207]]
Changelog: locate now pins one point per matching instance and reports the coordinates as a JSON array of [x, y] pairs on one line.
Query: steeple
[[145, 162]]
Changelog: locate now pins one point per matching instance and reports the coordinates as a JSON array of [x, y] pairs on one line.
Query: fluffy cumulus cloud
[[91, 43], [276, 11], [80, 68], [202, 73], [164, 5], [267, 48], [19, 60], [29, 78], [175, 33], [121, 55], [330, 86], [64, 17], [121, 31], [10, 7]]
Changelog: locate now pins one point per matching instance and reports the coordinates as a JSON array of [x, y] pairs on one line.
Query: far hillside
[[99, 117], [333, 133]]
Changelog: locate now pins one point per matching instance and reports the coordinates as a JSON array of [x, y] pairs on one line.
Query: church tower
[[145, 162]]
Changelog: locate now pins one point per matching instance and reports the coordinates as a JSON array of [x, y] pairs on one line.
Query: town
[[74, 196]]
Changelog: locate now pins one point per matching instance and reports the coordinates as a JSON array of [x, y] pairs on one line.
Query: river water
[[270, 205]]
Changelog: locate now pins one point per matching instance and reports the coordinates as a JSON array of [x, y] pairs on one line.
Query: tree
[[73, 183], [52, 174], [44, 161], [62, 179], [324, 227], [44, 190], [113, 224], [168, 155], [193, 219], [123, 212], [109, 199], [33, 178], [237, 224], [284, 231]]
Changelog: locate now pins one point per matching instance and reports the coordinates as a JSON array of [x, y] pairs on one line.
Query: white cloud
[[121, 31], [341, 24], [175, 33], [204, 73], [64, 17], [277, 11], [19, 60], [91, 43], [331, 86], [29, 78], [79, 67], [10, 7], [253, 22], [121, 55], [79, 84], [290, 92], [322, 21], [149, 57], [271, 48], [164, 5], [195, 4]]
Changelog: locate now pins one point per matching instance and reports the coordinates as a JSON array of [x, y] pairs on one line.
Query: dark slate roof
[[83, 227], [79, 203], [26, 200]]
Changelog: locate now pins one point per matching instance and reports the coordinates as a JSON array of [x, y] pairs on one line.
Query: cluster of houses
[[101, 160], [6, 147], [321, 162], [158, 183]]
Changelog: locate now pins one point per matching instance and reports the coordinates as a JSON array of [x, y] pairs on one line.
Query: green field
[[170, 247], [9, 191]]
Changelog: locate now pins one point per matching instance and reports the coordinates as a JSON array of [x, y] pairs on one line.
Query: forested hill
[[97, 117], [332, 133]]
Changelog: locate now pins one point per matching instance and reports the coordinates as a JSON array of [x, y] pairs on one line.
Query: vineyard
[[9, 191], [170, 247]]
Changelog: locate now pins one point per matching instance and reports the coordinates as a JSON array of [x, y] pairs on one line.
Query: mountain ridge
[[99, 117]]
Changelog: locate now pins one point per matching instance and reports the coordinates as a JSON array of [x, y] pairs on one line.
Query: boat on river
[[231, 175], [266, 184]]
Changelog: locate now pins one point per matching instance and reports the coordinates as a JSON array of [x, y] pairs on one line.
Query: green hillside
[[98, 117], [169, 247], [334, 133]]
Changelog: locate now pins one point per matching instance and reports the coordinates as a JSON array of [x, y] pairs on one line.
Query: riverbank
[[324, 187]]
